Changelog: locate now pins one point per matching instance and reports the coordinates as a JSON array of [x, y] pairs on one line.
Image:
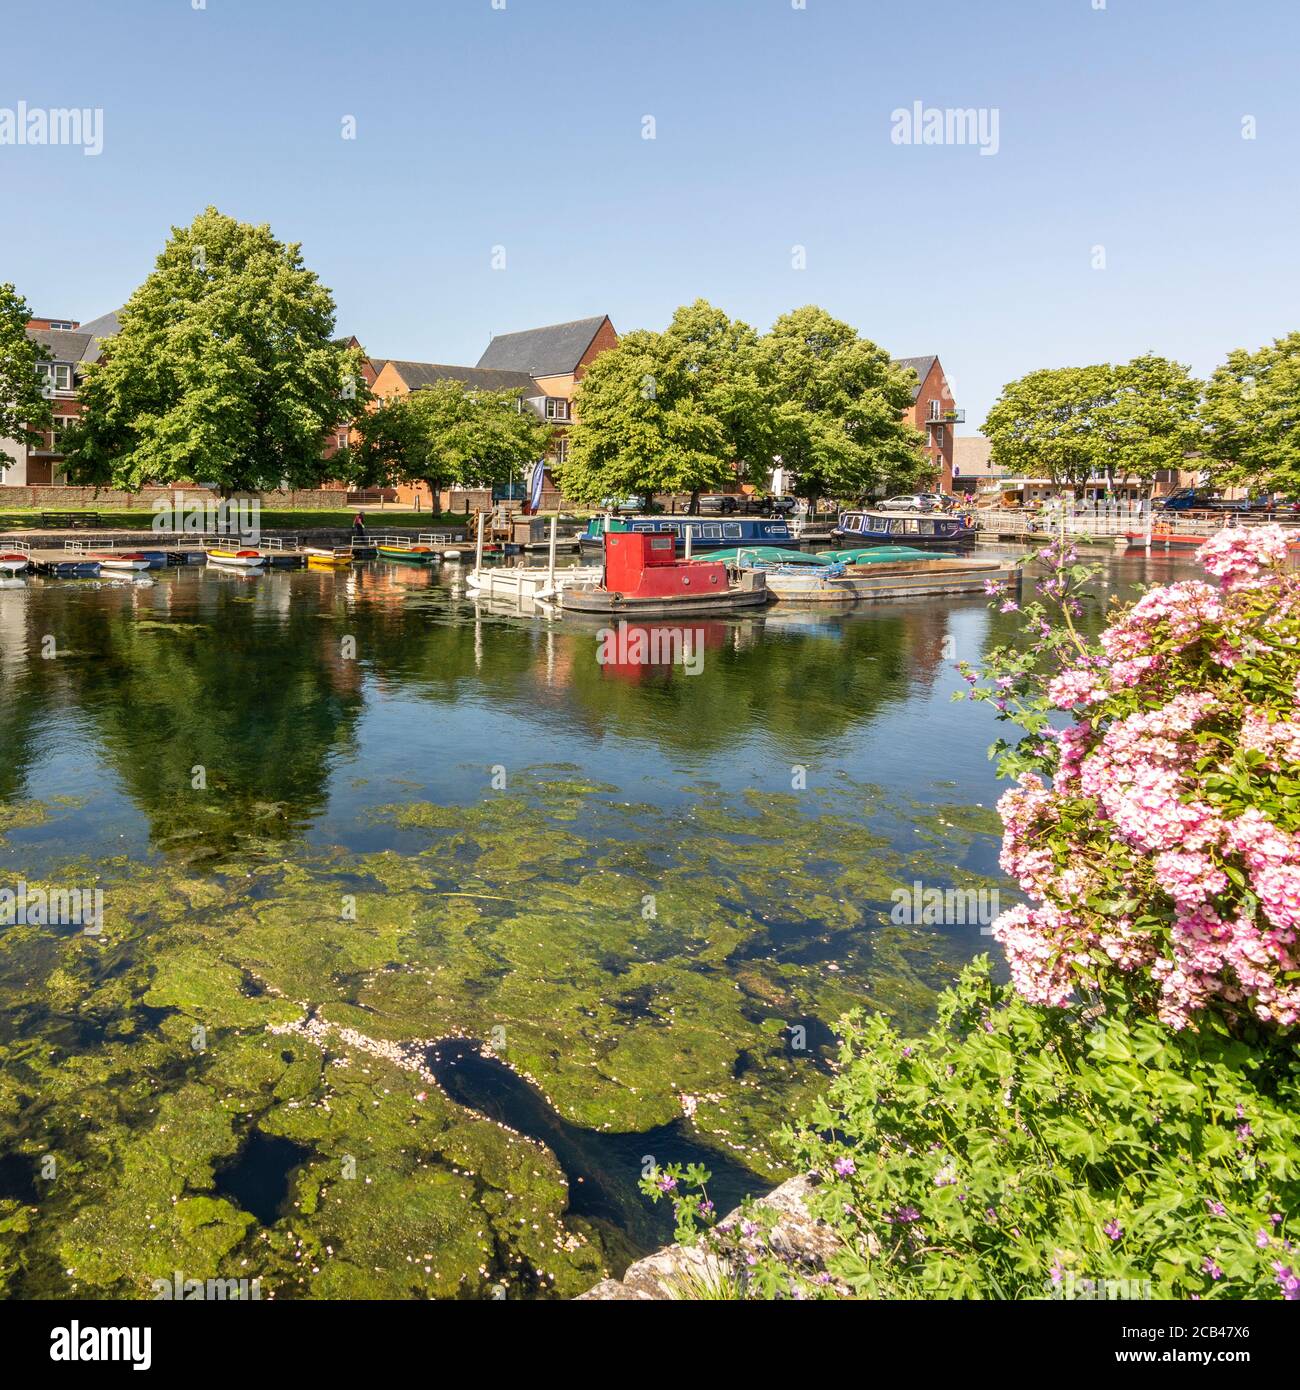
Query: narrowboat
[[643, 578], [229, 558], [706, 533], [928, 530]]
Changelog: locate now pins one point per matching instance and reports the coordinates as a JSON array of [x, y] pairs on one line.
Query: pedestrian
[[358, 527]]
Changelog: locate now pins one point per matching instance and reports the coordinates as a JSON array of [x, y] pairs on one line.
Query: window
[[730, 529], [938, 435], [557, 408], [57, 376], [342, 441], [61, 423], [62, 325], [560, 450], [936, 410]]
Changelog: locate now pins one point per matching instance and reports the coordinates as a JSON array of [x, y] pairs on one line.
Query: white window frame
[[557, 410]]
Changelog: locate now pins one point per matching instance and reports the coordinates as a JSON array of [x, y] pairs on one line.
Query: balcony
[[948, 417]]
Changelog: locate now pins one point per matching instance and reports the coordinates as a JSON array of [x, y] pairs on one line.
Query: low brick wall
[[63, 499]]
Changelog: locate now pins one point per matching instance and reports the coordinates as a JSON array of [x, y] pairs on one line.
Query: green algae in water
[[643, 967]]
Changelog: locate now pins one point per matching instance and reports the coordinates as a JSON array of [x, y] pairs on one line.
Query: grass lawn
[[272, 519]]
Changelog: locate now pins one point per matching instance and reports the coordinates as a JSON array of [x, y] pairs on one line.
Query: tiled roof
[[418, 374], [920, 365], [552, 351], [62, 345]]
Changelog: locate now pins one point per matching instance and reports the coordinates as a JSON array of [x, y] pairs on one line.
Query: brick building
[[934, 412]]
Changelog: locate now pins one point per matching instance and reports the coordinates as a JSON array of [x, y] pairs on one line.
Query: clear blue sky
[[521, 127]]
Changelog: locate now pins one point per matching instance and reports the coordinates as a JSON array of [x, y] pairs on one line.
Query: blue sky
[[479, 127]]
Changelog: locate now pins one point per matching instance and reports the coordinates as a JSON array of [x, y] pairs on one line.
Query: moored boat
[[928, 530], [123, 560], [872, 580], [644, 578], [706, 533], [322, 557], [413, 552], [236, 559], [13, 562]]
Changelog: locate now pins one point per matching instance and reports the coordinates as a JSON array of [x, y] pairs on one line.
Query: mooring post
[[550, 555], [478, 548]]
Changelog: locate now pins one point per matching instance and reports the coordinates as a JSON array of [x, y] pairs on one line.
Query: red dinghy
[[122, 560], [14, 562]]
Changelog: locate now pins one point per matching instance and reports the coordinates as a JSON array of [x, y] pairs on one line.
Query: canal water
[[427, 932]]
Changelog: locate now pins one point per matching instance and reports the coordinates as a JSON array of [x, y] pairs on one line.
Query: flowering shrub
[[1017, 1151], [1156, 832]]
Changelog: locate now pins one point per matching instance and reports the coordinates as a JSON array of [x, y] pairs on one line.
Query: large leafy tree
[[225, 369], [24, 408], [446, 435], [840, 405], [685, 410], [1071, 424], [1251, 417], [1050, 423]]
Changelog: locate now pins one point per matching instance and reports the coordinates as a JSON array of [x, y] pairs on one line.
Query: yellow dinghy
[[321, 557]]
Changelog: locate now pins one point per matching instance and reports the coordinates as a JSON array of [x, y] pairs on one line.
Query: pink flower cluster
[[1237, 554], [1130, 817]]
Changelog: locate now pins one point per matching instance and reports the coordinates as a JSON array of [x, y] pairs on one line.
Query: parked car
[[629, 506], [720, 503], [912, 502]]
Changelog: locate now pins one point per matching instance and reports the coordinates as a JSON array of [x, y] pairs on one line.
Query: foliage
[[677, 411], [1165, 852], [1250, 416], [446, 435], [24, 408], [1015, 1151], [225, 370], [839, 408], [1071, 424]]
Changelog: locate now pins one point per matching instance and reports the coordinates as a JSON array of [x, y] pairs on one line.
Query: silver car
[[911, 502]]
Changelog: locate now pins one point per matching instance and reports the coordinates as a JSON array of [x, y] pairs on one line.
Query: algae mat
[[251, 1070]]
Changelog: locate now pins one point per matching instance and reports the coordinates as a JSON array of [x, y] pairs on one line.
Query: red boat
[[14, 562], [644, 578]]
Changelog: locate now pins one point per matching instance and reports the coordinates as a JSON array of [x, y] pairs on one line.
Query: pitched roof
[[920, 365], [105, 326], [552, 351], [62, 345], [418, 374]]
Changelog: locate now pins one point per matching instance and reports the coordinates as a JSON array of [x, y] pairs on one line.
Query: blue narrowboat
[[707, 533], [928, 530]]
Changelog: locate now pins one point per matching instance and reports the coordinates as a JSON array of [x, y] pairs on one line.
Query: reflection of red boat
[[644, 579]]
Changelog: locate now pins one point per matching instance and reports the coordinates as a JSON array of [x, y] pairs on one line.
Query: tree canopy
[[1251, 417], [709, 402], [225, 370], [1070, 424], [839, 405], [446, 435], [24, 407]]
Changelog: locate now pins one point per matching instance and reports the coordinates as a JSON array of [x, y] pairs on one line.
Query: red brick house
[[934, 412]]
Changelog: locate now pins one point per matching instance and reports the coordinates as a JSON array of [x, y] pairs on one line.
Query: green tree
[[446, 435], [225, 370], [662, 412], [840, 404], [1251, 417], [1071, 424], [1051, 423], [24, 408]]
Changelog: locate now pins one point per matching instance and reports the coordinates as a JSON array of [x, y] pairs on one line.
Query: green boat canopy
[[773, 555]]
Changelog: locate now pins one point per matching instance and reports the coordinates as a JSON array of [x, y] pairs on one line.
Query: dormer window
[[56, 376], [557, 409]]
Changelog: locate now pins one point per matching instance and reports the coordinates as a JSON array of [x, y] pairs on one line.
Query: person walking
[[358, 527]]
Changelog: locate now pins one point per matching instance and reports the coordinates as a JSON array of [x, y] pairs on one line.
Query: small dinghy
[[237, 559], [120, 560], [321, 557], [401, 550], [14, 562]]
